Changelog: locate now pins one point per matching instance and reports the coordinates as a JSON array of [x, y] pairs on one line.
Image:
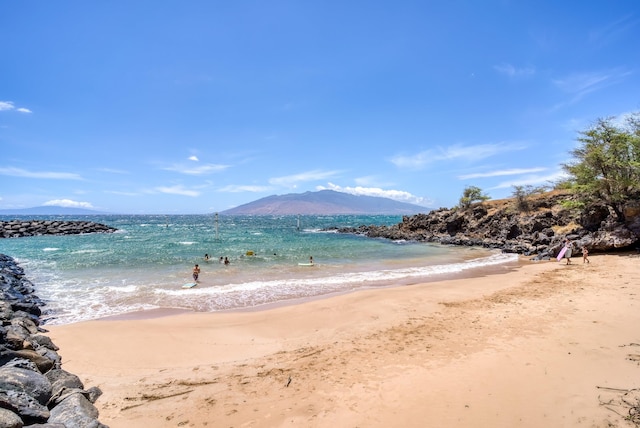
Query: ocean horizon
[[144, 265]]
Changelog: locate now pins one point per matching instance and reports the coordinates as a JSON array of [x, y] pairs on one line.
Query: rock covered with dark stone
[[539, 231], [20, 228], [34, 389]]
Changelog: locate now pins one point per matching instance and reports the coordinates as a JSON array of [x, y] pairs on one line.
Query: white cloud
[[514, 72], [18, 172], [293, 180], [194, 158], [198, 170], [397, 195], [238, 188], [454, 152], [68, 203], [515, 171], [178, 190], [8, 105]]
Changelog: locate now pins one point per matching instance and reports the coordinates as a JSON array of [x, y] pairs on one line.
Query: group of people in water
[[223, 260], [196, 269]]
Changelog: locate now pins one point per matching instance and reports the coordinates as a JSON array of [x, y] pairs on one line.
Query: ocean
[[144, 265]]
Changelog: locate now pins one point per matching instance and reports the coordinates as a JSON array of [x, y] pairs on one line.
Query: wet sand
[[542, 345]]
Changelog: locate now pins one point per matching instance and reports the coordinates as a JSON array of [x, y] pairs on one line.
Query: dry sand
[[545, 345]]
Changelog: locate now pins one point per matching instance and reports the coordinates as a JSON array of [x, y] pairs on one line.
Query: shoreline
[[527, 348], [160, 312]]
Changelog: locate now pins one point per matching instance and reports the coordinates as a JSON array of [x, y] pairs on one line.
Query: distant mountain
[[50, 210], [325, 202]]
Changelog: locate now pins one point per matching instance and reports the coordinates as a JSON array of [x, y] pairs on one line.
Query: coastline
[[528, 347]]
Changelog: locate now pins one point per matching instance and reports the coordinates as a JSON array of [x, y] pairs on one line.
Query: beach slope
[[545, 344]]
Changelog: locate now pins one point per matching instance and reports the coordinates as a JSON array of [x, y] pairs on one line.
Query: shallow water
[[145, 263]]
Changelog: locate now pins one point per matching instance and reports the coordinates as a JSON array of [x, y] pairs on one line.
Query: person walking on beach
[[569, 250], [585, 255], [196, 273]]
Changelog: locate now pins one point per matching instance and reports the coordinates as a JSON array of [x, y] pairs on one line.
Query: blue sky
[[200, 106]]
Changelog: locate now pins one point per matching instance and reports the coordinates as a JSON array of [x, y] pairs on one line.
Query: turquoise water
[[145, 263]]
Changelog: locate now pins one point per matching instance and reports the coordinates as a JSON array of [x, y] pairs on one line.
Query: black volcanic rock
[[34, 389], [20, 228], [498, 224], [324, 202]]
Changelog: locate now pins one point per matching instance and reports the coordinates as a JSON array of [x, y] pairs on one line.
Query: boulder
[[9, 419], [76, 411], [33, 383]]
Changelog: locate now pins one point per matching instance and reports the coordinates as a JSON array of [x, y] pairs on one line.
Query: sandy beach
[[543, 345]]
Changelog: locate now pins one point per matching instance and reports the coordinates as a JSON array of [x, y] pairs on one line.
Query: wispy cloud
[[178, 190], [398, 195], [68, 203], [582, 84], [612, 31], [8, 105], [116, 192], [293, 180], [532, 180], [514, 72], [197, 170], [515, 171], [113, 171], [239, 188], [18, 172], [454, 152], [194, 158]]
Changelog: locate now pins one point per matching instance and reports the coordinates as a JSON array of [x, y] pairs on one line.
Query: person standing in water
[[196, 273]]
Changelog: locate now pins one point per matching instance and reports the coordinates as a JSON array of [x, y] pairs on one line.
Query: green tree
[[522, 195], [470, 195], [606, 164]]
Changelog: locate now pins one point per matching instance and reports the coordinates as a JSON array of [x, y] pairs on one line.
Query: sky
[[194, 107]]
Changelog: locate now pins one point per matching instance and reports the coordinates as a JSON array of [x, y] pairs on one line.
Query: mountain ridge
[[325, 202]]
